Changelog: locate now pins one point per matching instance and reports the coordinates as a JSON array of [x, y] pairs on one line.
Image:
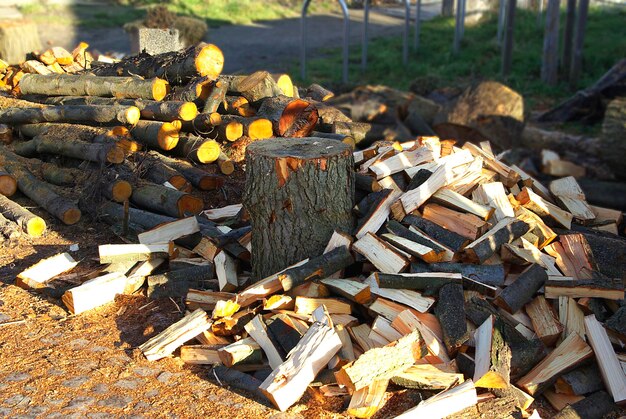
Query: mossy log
[[298, 192], [87, 85], [166, 111], [290, 117], [175, 67], [163, 135], [31, 224], [166, 200]]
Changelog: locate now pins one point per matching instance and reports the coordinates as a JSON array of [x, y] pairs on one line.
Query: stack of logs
[[465, 279]]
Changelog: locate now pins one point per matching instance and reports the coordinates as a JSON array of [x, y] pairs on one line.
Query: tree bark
[[197, 149], [162, 135], [290, 117], [516, 295], [94, 152], [31, 224], [450, 312], [175, 67], [612, 144], [298, 191], [549, 63], [178, 282], [8, 230], [198, 177], [166, 200], [87, 85]]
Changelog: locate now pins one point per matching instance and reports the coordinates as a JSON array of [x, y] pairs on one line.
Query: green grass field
[[434, 65]]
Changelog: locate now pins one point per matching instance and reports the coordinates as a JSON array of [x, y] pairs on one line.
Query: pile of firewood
[[465, 279]]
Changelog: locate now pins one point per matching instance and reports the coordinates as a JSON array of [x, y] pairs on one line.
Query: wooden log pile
[[464, 278]]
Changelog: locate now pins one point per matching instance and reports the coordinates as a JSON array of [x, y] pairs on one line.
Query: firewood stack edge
[[465, 279]]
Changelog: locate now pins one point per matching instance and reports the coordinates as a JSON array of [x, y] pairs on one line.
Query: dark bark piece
[[520, 292], [366, 183], [427, 283], [604, 193], [177, 283], [418, 179], [317, 268], [290, 117], [283, 333], [583, 380], [493, 275], [86, 85], [450, 310], [612, 150], [238, 380], [587, 104], [489, 243], [595, 406], [448, 238], [298, 192], [166, 200], [617, 321], [489, 111], [255, 87], [609, 253], [399, 230], [177, 67]]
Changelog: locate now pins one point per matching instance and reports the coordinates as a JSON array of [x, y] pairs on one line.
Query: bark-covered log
[[197, 149], [450, 310], [175, 67], [203, 125], [87, 85], [290, 117], [489, 111], [236, 105], [316, 268], [448, 238], [113, 214], [317, 92], [68, 147], [237, 379], [159, 172], [39, 191], [162, 135], [31, 224], [612, 147], [595, 406], [8, 184], [427, 283], [215, 98], [255, 87], [516, 295], [8, 230], [604, 193], [198, 177], [177, 283], [196, 91], [92, 114], [255, 128], [489, 243], [166, 200], [298, 191], [560, 142], [166, 111], [584, 380], [493, 275]]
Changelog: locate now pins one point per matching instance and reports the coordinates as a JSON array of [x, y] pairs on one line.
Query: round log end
[[211, 183], [35, 227], [189, 204], [71, 216], [227, 167], [260, 129], [233, 130], [285, 84], [160, 89], [121, 190], [131, 115], [210, 61], [115, 155], [298, 119], [180, 183], [129, 146], [168, 135], [8, 185], [120, 131], [215, 119], [208, 152], [349, 141], [188, 111]]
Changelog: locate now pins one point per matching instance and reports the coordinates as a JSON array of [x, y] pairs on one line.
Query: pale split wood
[[572, 197], [400, 162], [224, 213], [200, 354], [380, 254], [111, 253], [406, 321], [352, 290], [494, 195], [572, 317], [43, 271], [258, 331], [226, 270], [445, 403], [369, 400], [94, 293], [169, 232]]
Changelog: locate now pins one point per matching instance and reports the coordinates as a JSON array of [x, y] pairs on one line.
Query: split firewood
[[516, 295], [568, 192], [584, 380], [176, 335], [597, 287], [170, 231], [87, 85], [541, 207], [200, 354], [544, 320], [466, 225], [494, 195], [94, 293], [226, 270], [377, 251], [176, 283], [493, 356], [445, 403], [290, 117], [571, 317], [43, 271], [114, 253], [176, 67], [257, 329], [505, 231], [457, 201]]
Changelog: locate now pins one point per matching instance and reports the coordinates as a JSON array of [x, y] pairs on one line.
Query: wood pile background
[[465, 278]]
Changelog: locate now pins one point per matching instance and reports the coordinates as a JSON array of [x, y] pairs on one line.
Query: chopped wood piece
[[467, 225], [409, 298], [381, 363], [545, 324], [544, 234], [457, 201], [113, 253], [493, 356], [377, 215], [352, 290], [516, 295], [571, 317], [508, 176], [176, 335], [199, 354], [28, 222], [428, 377], [494, 195], [279, 302], [612, 374], [450, 311], [599, 287], [429, 283], [407, 321], [43, 271], [316, 268], [505, 231], [170, 231], [237, 352], [306, 305], [584, 380], [290, 379], [561, 401], [595, 406], [166, 200], [487, 274], [177, 283], [568, 354], [205, 300], [94, 293], [361, 336], [425, 253], [264, 287], [258, 331], [401, 161], [543, 208], [380, 254], [571, 196], [369, 400], [445, 403], [226, 270], [434, 232]]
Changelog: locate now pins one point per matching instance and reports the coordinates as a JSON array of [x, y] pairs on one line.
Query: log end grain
[[35, 227], [168, 135], [210, 61], [188, 111], [71, 216], [160, 89], [260, 129], [298, 119], [208, 152], [189, 204], [232, 130], [120, 190], [8, 184], [227, 167], [115, 155], [130, 115]]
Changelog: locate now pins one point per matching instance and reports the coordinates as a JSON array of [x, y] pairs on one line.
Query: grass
[[434, 65]]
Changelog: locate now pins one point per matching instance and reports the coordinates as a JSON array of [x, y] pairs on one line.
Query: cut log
[[382, 363], [166, 200], [385, 258], [87, 85], [561, 401], [446, 403], [290, 117], [43, 271], [234, 325], [237, 379], [612, 374], [155, 134], [544, 320], [290, 379], [488, 274], [281, 177], [573, 256], [215, 97], [594, 406], [317, 92], [116, 253], [176, 283], [493, 356], [176, 67], [236, 105], [94, 114], [316, 268], [516, 295], [198, 177], [450, 311], [176, 335], [599, 287], [204, 125], [567, 355], [286, 331], [544, 234], [369, 400], [200, 354], [31, 224], [94, 293], [255, 87], [505, 231], [584, 380]]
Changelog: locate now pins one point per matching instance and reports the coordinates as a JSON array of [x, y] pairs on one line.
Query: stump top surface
[[300, 148]]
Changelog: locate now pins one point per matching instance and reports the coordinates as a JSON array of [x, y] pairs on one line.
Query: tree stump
[[298, 191], [18, 38]]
